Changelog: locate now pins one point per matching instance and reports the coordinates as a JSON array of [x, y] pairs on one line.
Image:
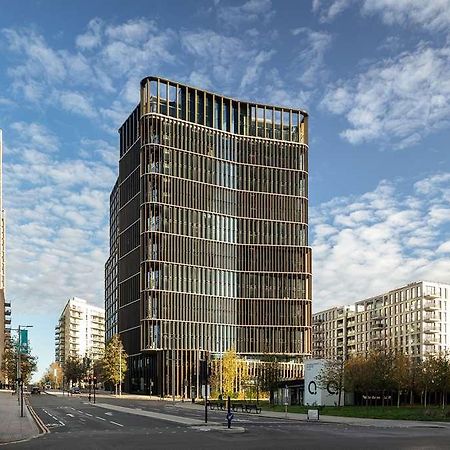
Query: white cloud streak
[[367, 244], [396, 101], [431, 15]]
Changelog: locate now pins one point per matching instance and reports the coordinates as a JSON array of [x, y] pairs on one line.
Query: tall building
[[5, 307], [111, 269], [212, 221], [80, 331], [414, 319]]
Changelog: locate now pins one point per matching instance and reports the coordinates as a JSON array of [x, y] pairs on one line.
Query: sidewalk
[[12, 426]]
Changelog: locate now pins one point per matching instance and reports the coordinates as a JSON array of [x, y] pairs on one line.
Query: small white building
[[315, 395], [80, 331]]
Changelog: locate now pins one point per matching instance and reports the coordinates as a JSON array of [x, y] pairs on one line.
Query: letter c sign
[[312, 388]]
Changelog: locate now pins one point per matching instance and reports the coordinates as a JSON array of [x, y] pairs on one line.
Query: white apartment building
[[80, 331], [414, 319]]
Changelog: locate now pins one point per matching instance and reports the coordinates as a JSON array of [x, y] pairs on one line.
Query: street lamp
[[19, 368]]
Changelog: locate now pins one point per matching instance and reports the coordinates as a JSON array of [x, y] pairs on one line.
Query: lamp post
[[120, 370], [19, 367]]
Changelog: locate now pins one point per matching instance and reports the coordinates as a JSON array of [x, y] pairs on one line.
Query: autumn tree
[[401, 373], [53, 375], [115, 361]]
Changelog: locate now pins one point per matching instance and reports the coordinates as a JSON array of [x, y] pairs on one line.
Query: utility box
[[314, 394]]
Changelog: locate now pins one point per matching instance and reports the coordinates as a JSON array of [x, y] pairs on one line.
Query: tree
[[74, 369], [115, 361], [270, 376], [401, 373], [28, 362], [53, 375], [99, 370], [229, 371], [332, 376], [357, 377]]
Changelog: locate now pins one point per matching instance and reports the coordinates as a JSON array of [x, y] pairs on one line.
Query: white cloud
[[309, 63], [329, 9], [431, 15], [57, 216], [398, 100], [36, 135], [76, 103], [366, 244], [92, 38], [249, 11]]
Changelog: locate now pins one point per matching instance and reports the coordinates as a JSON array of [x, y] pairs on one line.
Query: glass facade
[[213, 220]]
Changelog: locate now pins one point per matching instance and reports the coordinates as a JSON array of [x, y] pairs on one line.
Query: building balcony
[[431, 341], [7, 312], [7, 321], [378, 326], [430, 296], [431, 329], [7, 304], [431, 317], [430, 305]]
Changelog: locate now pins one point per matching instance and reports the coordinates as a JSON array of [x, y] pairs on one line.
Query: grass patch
[[372, 412]]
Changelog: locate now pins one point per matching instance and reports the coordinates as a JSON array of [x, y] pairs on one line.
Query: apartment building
[[414, 319], [80, 331], [212, 221]]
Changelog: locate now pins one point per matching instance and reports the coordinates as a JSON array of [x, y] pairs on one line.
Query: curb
[[41, 425]]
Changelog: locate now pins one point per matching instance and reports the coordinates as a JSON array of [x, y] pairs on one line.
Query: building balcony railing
[[431, 317], [430, 305], [7, 321], [378, 326], [431, 341], [377, 316], [7, 312], [7, 304], [430, 329], [431, 296]]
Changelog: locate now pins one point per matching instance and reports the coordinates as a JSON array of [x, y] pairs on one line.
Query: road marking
[[90, 415], [101, 418], [115, 423], [108, 413], [70, 415]]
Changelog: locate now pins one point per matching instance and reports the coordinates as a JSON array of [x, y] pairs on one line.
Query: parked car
[[35, 390], [75, 390]]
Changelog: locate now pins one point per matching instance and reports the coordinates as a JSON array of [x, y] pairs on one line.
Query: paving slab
[[12, 426]]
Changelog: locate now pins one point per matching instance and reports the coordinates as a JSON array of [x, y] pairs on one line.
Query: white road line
[[115, 423], [108, 413], [90, 415], [101, 418], [70, 415]]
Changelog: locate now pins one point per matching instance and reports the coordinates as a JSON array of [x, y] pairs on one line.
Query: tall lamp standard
[[19, 366]]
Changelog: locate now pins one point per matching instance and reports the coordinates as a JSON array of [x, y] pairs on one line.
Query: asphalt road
[[75, 424]]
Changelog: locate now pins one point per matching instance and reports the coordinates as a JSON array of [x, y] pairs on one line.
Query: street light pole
[[120, 370], [173, 372], [19, 368]]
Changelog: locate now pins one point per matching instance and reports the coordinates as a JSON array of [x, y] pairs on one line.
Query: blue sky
[[373, 74]]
